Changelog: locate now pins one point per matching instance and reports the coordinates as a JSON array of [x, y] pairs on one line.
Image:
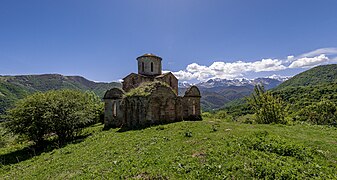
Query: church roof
[[165, 74], [193, 91], [147, 88], [114, 93], [150, 55]]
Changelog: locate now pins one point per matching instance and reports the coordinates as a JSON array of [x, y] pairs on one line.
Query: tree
[[268, 108], [63, 112], [322, 113]]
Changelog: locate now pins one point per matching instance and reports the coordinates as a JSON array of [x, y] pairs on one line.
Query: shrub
[[63, 112], [268, 108], [221, 114], [322, 113], [207, 115]]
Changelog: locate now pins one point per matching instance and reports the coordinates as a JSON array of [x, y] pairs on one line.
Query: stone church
[[150, 97]]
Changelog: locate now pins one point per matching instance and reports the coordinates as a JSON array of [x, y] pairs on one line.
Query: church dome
[[149, 55]]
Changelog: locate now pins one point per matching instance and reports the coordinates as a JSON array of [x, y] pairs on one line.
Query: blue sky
[[197, 39]]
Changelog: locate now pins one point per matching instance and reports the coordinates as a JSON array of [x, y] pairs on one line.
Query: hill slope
[[209, 149], [17, 87], [309, 88], [325, 74]]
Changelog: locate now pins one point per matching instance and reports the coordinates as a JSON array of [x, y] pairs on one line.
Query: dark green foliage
[[314, 104], [268, 108], [323, 113], [63, 112], [326, 74], [302, 96], [311, 95]]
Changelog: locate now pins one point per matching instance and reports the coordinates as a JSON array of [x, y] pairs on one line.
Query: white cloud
[[183, 75], [290, 58], [309, 62], [228, 70], [238, 69], [326, 51]]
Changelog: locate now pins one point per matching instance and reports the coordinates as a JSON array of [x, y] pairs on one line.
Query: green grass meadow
[[208, 149]]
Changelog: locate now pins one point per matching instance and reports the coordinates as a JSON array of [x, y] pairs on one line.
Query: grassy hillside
[[325, 74], [209, 149], [17, 87]]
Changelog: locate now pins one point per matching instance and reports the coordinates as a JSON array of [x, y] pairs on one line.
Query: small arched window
[[143, 67], [193, 108], [151, 66]]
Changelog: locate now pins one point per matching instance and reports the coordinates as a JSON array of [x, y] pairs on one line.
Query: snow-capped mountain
[[278, 77], [184, 84], [268, 82], [217, 92]]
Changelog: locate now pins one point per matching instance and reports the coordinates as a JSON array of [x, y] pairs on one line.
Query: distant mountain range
[[216, 93], [268, 82], [13, 88]]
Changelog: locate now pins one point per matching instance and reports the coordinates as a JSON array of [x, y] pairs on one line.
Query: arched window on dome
[[151, 66]]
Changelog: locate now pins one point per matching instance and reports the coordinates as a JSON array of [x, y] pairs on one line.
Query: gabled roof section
[[130, 75], [193, 91], [166, 74], [114, 93]]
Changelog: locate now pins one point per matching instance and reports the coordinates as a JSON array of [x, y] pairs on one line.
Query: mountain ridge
[[314, 76], [16, 87]]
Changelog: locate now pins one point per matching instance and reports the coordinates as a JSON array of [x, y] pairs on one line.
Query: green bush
[[322, 113], [207, 115], [221, 114], [268, 108], [61, 112]]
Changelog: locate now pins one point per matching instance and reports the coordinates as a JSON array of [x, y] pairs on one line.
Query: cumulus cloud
[[291, 58], [184, 75], [238, 69], [228, 70], [309, 62]]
